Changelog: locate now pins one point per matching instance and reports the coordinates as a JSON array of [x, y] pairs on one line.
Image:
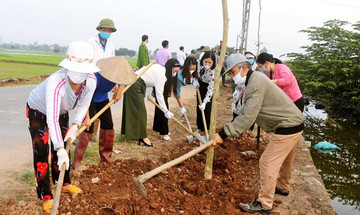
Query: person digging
[[47, 111], [274, 112], [113, 71]]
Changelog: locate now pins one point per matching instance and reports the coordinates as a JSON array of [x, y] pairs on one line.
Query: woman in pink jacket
[[282, 77]]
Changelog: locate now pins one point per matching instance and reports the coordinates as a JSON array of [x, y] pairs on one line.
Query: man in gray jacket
[[274, 112]]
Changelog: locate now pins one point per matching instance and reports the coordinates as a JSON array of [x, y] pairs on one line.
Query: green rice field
[[20, 64], [24, 70]]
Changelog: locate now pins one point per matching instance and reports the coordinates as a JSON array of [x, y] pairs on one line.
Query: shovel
[[205, 138], [197, 136], [62, 171], [60, 181], [190, 138]]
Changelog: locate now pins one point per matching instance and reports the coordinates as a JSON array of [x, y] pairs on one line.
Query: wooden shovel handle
[[174, 162], [202, 112], [60, 182], [187, 121], [113, 101]]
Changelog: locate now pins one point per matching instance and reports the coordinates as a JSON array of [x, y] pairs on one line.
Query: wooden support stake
[[210, 150]]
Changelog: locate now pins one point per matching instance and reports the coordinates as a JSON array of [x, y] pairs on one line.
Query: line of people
[[90, 71]]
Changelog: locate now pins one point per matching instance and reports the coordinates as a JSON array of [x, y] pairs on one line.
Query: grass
[[28, 178], [24, 70], [32, 59], [132, 61], [29, 65]]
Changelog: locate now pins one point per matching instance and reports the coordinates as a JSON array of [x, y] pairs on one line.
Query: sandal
[[166, 138], [143, 143]]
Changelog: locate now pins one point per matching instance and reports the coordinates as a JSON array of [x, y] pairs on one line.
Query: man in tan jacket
[[274, 112]]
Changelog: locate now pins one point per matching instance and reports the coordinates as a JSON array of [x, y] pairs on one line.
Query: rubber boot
[[81, 146], [106, 142]]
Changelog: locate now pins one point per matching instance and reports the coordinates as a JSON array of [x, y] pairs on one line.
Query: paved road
[[15, 141]]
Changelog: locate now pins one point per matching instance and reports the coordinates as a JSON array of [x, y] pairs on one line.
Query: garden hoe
[[62, 171], [138, 181]]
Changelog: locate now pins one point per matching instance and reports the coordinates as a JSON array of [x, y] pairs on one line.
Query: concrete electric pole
[[245, 26]]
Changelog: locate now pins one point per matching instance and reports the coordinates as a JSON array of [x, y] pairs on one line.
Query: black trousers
[[199, 121], [300, 103], [105, 118], [161, 123], [39, 132]]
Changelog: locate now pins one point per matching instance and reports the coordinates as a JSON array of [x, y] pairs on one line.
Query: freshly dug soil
[[181, 189]]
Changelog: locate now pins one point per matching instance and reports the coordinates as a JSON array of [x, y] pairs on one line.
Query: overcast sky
[[190, 23]]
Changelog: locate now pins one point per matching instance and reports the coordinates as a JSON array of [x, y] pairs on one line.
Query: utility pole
[[245, 26], [258, 33]]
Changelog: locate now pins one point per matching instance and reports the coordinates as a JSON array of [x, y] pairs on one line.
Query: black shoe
[[142, 142], [278, 191], [254, 207]]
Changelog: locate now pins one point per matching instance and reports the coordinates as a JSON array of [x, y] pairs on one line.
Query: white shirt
[[155, 77], [180, 56], [99, 52], [54, 97], [207, 76]]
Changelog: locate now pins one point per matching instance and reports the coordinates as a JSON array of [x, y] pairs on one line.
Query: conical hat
[[117, 70]]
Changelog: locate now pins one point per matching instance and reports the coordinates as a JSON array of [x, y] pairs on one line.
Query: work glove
[[202, 106], [182, 110], [196, 83], [168, 114], [71, 133], [63, 157], [233, 107], [236, 94]]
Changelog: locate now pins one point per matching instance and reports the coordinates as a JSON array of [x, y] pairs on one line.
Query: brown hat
[[117, 70]]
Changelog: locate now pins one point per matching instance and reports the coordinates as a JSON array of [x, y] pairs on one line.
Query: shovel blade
[[203, 138], [190, 138]]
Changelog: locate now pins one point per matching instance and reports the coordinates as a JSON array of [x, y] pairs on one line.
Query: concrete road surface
[[15, 141]]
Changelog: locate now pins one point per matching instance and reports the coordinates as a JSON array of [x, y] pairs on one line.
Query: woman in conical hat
[[113, 70]]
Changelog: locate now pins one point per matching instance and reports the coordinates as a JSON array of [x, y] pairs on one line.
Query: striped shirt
[[54, 97]]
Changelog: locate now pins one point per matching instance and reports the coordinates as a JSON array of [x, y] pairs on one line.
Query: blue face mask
[[104, 35], [251, 61]]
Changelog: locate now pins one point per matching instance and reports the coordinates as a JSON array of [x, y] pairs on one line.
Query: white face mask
[[264, 70], [238, 80], [174, 74], [77, 77], [191, 72], [207, 67]]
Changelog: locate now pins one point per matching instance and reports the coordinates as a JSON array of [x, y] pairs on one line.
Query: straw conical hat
[[117, 70]]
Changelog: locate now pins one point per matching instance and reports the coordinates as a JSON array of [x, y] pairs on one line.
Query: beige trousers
[[275, 166]]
